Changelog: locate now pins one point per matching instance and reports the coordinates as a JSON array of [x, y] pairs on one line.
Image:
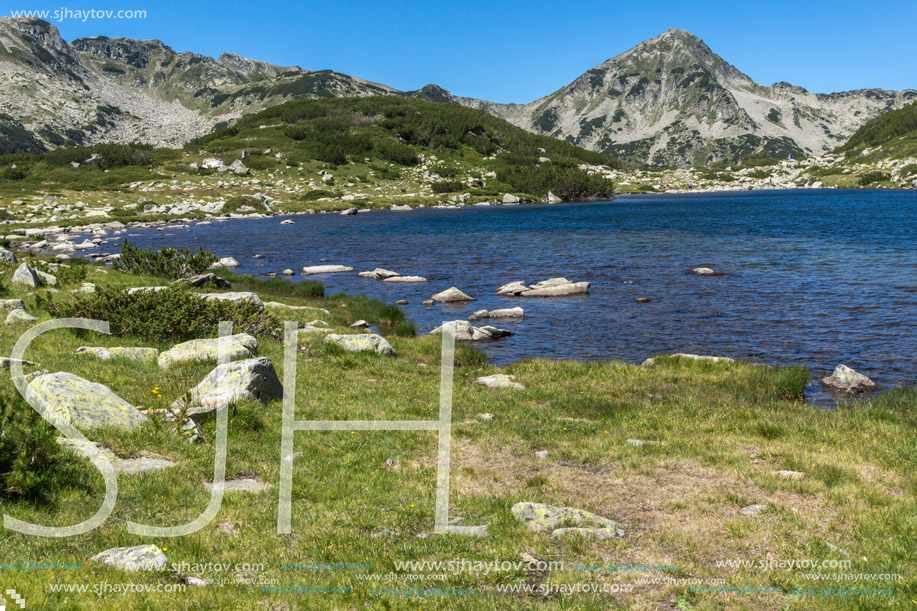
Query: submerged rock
[[369, 342], [846, 380], [512, 288], [84, 404], [706, 271], [405, 279]]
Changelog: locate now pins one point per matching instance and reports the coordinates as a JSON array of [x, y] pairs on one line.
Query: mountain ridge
[[669, 100]]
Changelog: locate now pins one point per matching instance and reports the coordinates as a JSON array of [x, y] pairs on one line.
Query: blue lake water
[[813, 278]]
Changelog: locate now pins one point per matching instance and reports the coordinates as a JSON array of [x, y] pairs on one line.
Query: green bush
[[872, 177], [109, 155], [568, 183], [168, 262], [448, 186], [405, 328], [11, 173], [28, 449], [166, 315], [277, 285], [234, 203], [909, 170]]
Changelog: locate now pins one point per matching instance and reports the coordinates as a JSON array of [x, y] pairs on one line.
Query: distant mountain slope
[[885, 130], [671, 100], [100, 89]]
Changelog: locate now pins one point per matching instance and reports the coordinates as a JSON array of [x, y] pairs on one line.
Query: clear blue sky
[[519, 51]]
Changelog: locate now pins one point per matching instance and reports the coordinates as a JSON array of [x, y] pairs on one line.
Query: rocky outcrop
[[499, 313], [138, 558], [556, 287], [465, 332], [26, 276]]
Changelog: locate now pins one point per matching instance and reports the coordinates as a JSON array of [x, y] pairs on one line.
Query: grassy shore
[[723, 431]]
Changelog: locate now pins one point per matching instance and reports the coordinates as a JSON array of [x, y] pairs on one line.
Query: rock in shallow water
[[451, 295], [846, 380]]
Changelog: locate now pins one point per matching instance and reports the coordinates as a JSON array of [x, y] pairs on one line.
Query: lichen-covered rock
[[564, 520], [241, 346], [499, 313], [253, 379], [234, 297], [19, 316], [131, 353], [369, 342], [11, 304], [83, 403], [85, 287], [137, 558], [26, 276], [499, 380], [451, 295], [6, 256], [846, 380]]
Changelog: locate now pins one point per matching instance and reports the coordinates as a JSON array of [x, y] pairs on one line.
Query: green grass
[[725, 429]]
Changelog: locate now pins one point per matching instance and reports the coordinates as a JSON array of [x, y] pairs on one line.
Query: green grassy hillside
[[894, 131]]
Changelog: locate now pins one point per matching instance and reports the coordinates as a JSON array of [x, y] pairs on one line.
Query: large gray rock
[[251, 379], [238, 167], [451, 295], [234, 297], [552, 199], [846, 380], [134, 354], [225, 263], [543, 518], [241, 345], [405, 279], [26, 276], [82, 403], [138, 558], [379, 274], [368, 342], [6, 256], [509, 198]]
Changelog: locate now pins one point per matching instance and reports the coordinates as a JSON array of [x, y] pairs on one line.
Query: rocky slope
[[101, 89], [672, 101]]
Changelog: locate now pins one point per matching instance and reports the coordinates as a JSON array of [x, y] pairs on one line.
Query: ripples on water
[[812, 277]]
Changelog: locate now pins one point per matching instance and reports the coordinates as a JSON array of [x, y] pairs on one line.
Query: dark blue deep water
[[813, 278]]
